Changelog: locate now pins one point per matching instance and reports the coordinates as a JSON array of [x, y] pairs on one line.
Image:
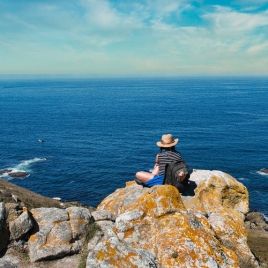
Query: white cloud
[[164, 7], [226, 19], [260, 48], [101, 36]]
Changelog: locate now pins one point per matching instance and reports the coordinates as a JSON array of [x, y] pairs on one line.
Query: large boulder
[[224, 201], [4, 232], [57, 232], [21, 225], [157, 227]]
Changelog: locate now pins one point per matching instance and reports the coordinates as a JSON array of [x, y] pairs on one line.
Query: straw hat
[[167, 141]]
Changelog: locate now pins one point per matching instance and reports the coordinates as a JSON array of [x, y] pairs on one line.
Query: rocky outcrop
[[139, 227], [14, 174], [255, 220], [57, 232], [3, 171], [157, 227], [21, 225], [18, 174]]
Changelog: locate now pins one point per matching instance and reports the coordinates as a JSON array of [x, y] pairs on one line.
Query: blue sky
[[143, 37]]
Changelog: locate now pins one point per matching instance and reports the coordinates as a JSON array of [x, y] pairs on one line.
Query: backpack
[[171, 174]]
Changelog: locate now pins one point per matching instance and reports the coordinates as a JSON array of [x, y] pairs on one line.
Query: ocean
[[98, 132]]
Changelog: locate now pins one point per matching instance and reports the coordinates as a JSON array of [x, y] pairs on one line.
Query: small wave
[[262, 173], [24, 166], [242, 179]]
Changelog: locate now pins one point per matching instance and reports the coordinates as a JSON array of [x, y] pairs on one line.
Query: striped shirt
[[166, 158]]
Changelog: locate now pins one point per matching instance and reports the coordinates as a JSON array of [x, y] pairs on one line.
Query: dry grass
[[28, 198], [258, 243]]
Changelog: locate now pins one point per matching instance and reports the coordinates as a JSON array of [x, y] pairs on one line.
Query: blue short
[[156, 180]]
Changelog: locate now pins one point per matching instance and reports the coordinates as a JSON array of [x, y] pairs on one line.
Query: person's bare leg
[[144, 176]]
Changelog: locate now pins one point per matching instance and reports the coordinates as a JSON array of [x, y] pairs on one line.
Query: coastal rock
[[13, 211], [5, 171], [224, 201], [103, 215], [57, 232], [19, 174], [203, 228], [4, 233], [79, 220], [6, 264], [255, 220], [21, 225], [264, 170]]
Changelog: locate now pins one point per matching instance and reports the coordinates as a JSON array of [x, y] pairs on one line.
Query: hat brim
[[164, 145]]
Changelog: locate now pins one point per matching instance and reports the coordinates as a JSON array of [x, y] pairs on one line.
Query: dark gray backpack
[[171, 174]]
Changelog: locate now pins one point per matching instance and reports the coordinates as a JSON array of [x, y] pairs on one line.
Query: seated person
[[166, 155]]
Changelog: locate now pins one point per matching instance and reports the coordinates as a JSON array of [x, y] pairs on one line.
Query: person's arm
[[156, 166]]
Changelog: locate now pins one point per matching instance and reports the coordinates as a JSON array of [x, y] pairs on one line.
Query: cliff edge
[[207, 226]]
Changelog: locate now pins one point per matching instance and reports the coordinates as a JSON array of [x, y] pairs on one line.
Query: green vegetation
[[92, 229]]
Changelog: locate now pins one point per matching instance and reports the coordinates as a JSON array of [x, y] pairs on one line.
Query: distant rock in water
[[19, 174], [264, 170], [5, 171]]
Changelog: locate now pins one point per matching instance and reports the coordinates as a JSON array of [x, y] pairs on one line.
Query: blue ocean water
[[98, 132]]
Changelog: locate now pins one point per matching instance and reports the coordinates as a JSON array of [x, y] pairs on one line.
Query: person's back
[[169, 155], [166, 157]]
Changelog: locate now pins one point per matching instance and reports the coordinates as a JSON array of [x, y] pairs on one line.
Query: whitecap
[[24, 166], [260, 172], [242, 179]]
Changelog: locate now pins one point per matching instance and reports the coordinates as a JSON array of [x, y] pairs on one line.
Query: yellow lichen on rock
[[202, 228]]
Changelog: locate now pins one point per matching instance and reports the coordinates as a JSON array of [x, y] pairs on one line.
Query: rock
[[103, 215], [21, 226], [79, 220], [119, 255], [6, 264], [224, 201], [264, 170], [19, 174], [4, 233], [157, 227], [15, 198], [95, 240], [57, 198], [255, 220], [5, 171], [57, 232], [14, 210]]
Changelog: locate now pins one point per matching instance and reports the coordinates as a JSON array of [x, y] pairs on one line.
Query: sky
[[139, 37]]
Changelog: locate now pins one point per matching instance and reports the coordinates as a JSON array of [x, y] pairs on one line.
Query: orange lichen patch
[[161, 200], [118, 202], [235, 197], [187, 240], [24, 209], [113, 256], [130, 183], [128, 233], [33, 238]]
